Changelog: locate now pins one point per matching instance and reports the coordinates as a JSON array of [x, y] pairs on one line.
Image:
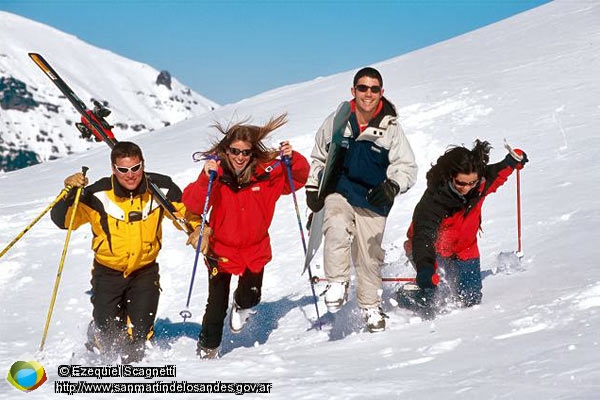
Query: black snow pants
[[124, 308], [247, 295]]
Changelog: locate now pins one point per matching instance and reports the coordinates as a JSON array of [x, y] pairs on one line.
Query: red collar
[[377, 111]]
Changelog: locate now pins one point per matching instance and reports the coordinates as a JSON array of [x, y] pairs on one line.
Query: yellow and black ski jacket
[[127, 225]]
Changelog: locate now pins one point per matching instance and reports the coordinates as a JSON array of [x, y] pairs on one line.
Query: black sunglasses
[[364, 88], [237, 152], [124, 170]]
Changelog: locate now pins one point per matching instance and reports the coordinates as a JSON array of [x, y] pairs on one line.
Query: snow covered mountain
[[38, 123], [532, 79]]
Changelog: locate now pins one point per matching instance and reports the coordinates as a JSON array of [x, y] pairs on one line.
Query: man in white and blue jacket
[[376, 164]]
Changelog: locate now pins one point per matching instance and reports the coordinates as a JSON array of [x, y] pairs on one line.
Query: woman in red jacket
[[243, 196], [442, 239]]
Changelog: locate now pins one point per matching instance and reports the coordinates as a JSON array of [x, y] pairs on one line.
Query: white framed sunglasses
[[134, 168]]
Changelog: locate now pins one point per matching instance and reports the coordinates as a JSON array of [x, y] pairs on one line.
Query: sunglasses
[[364, 88], [237, 152], [134, 168], [464, 184]]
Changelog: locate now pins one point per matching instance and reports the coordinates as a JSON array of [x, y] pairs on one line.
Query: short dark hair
[[125, 149], [369, 72]]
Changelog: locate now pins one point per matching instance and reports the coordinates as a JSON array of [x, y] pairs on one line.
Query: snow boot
[[374, 319], [206, 353], [93, 341], [239, 317], [133, 352], [420, 301], [336, 295]]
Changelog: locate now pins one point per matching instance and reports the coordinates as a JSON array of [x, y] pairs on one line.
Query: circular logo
[[26, 375]]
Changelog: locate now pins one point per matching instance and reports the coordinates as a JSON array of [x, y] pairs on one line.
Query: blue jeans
[[460, 280]]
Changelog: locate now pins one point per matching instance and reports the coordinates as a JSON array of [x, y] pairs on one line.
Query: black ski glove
[[383, 194], [309, 221], [516, 158], [313, 201], [426, 277]]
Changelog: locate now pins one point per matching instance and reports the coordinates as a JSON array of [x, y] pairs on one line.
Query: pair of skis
[[93, 123]]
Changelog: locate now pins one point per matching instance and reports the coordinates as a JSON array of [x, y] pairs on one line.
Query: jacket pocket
[[366, 163]]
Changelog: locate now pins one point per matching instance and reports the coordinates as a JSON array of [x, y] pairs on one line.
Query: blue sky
[[232, 49]]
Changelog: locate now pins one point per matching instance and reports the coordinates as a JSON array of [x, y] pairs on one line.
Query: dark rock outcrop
[[15, 96], [164, 78], [13, 159]]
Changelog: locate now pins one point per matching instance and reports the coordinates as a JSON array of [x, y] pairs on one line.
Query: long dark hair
[[460, 160], [252, 134]]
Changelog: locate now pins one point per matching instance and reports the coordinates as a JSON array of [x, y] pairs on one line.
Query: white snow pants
[[354, 234]]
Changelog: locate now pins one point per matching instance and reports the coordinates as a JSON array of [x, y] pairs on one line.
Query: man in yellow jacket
[[127, 225]]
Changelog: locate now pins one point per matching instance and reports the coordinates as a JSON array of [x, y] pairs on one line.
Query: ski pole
[[520, 247], [287, 162], [398, 279], [61, 196], [62, 261], [316, 279], [186, 313], [517, 155]]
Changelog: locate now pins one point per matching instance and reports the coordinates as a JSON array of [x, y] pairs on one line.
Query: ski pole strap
[[201, 156], [354, 126], [212, 263]]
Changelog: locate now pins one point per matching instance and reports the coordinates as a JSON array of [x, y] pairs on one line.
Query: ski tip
[[37, 58]]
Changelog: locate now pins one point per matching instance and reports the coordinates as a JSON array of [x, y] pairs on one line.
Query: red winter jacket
[[241, 214], [446, 224]]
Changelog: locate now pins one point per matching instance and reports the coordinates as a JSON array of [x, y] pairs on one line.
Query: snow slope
[[531, 79]]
